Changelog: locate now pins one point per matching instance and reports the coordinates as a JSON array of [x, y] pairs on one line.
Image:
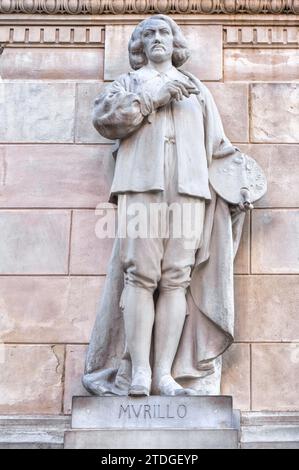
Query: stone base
[[201, 422], [259, 430], [152, 439], [269, 430], [33, 432], [154, 412]]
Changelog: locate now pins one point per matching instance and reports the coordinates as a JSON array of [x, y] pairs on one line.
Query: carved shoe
[[141, 383], [166, 385]]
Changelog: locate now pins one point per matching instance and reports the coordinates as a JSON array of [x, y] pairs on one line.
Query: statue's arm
[[117, 111]]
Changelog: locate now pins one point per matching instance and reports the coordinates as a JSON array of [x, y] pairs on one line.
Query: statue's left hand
[[245, 206], [245, 203]]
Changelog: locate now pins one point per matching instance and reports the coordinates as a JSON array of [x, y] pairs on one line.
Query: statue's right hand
[[173, 90]]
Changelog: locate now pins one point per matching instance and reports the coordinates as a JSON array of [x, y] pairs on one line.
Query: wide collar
[[146, 73]]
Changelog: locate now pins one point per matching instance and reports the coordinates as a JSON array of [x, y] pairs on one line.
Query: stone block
[[152, 439], [232, 102], [270, 430], [203, 41], [279, 163], [32, 432], [89, 252], [34, 241], [31, 379], [55, 175], [235, 379], [205, 44], [275, 247], [266, 308], [86, 95], [74, 369], [49, 34], [275, 112], [261, 64], [46, 115], [52, 64], [4, 33], [48, 309], [154, 412], [116, 50], [275, 376]]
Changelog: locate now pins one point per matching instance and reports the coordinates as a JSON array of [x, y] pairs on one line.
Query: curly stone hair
[[137, 56]]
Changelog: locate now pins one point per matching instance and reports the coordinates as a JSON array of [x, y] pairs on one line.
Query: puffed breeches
[[161, 232]]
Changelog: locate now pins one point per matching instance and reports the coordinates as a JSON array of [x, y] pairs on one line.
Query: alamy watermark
[[151, 220]]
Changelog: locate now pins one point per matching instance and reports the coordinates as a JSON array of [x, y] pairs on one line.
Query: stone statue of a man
[[166, 313]]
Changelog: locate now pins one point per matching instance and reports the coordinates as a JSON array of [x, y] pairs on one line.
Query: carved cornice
[[260, 36], [94, 36], [54, 36], [120, 7]]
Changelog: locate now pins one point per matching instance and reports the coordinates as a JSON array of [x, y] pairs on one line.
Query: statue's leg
[[141, 259], [171, 309], [139, 316], [169, 322]]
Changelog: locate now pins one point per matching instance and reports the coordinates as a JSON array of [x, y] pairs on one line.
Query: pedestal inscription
[[152, 412]]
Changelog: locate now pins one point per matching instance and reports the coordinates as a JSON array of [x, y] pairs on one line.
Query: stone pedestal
[[203, 422]]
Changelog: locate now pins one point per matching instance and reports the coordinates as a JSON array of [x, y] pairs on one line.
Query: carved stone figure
[[167, 309]]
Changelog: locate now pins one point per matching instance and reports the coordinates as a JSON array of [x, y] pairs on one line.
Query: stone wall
[[55, 169]]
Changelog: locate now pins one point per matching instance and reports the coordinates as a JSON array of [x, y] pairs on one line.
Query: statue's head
[[157, 38]]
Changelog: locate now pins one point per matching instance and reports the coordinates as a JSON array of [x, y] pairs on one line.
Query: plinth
[[155, 422]]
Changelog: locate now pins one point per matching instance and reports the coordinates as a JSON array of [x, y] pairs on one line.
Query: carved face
[[157, 40]]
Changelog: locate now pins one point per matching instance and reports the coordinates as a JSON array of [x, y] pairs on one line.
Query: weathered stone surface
[[43, 117], [154, 412], [267, 308], [89, 254], [242, 259], [33, 432], [46, 63], [116, 50], [280, 163], [60, 35], [34, 242], [113, 7], [260, 35], [54, 175], [275, 376], [203, 41], [270, 430], [273, 437], [232, 103], [275, 112], [275, 247], [48, 309], [152, 439], [85, 96], [261, 64], [235, 379], [31, 379], [274, 418], [74, 368]]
